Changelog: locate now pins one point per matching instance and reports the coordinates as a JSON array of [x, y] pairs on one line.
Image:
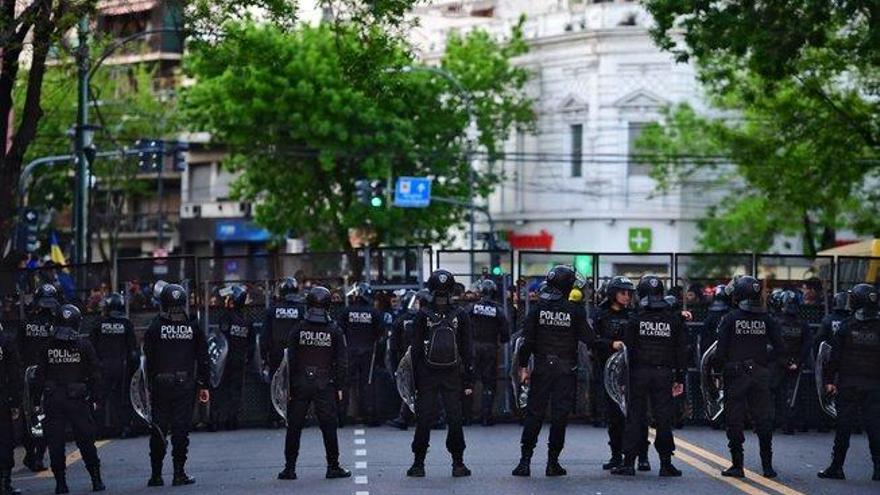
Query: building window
[[636, 167], [200, 181], [577, 150]]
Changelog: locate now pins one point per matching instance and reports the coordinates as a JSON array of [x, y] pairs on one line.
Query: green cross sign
[[640, 240]]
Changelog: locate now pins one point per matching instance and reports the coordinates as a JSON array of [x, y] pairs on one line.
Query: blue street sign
[[412, 192]]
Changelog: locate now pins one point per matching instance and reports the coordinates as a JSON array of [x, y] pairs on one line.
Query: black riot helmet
[[318, 302], [172, 299], [791, 302], [488, 288], [747, 294], [774, 300], [288, 288], [364, 292], [67, 322], [720, 299], [441, 284], [560, 280], [840, 302], [651, 293], [47, 297], [423, 297], [114, 304], [863, 301], [618, 284], [239, 296]]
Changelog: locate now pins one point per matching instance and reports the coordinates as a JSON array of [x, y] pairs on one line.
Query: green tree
[[305, 114], [32, 30], [797, 85]]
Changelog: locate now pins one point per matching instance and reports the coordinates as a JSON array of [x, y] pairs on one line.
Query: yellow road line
[[71, 458], [751, 475], [714, 473]]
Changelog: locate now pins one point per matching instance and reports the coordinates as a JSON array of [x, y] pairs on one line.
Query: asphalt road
[[245, 462]]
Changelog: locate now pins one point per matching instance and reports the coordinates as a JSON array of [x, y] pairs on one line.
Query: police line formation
[[445, 346]]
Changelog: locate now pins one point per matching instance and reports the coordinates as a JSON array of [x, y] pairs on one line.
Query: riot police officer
[[116, 347], [785, 370], [33, 334], [719, 307], [743, 337], [657, 343], [611, 319], [400, 341], [279, 321], [554, 327], [69, 373], [491, 329], [361, 324], [317, 356], [11, 386], [442, 357], [239, 332], [176, 353], [832, 321], [853, 374]]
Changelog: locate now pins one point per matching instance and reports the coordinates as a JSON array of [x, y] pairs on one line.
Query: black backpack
[[441, 346]]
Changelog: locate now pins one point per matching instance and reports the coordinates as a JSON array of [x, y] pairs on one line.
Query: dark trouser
[[115, 411], [271, 414], [556, 390], [61, 410], [359, 361], [747, 390], [323, 396], [600, 403], [173, 403], [486, 370], [654, 384], [34, 447], [7, 443], [227, 403], [445, 385], [782, 384], [850, 400], [616, 427]]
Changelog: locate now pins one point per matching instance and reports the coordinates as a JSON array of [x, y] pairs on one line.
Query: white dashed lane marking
[[360, 452], [359, 480], [360, 465], [360, 441]]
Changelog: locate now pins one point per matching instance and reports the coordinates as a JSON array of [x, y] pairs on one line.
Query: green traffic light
[[496, 270], [376, 201]]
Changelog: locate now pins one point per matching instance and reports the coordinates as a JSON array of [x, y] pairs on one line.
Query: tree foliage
[[304, 114], [794, 90]]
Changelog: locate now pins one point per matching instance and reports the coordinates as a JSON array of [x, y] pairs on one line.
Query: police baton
[[372, 363]]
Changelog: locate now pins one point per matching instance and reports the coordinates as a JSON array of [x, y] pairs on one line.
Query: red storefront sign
[[543, 240]]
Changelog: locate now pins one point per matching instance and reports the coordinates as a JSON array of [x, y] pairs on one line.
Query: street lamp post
[[471, 135]]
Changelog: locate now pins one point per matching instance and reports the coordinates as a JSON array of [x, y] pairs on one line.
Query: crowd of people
[[444, 339]]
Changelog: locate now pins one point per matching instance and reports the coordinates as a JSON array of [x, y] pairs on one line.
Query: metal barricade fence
[[852, 270]]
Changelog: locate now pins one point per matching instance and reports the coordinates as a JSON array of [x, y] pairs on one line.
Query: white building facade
[[597, 79]]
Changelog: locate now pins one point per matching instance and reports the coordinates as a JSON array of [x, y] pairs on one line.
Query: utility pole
[[82, 141]]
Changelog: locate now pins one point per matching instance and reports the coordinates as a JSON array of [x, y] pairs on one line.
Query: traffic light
[[180, 149], [150, 154], [497, 270], [362, 191], [377, 194]]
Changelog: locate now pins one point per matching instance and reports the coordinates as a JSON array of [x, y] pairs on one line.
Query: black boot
[[626, 468], [33, 463], [553, 466], [644, 463], [397, 422], [156, 476], [335, 471], [459, 470], [97, 483], [832, 472], [616, 460], [736, 468], [60, 483], [667, 470], [524, 468], [767, 457], [417, 470], [180, 477], [6, 483], [289, 472], [876, 476]]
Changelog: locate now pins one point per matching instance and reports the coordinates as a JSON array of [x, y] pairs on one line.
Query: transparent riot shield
[[711, 384], [406, 382], [520, 389], [617, 378], [139, 394], [218, 352], [826, 401], [281, 386], [33, 414]]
